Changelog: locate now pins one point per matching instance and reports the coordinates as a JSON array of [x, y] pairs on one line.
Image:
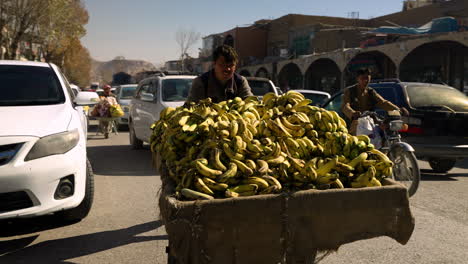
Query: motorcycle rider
[[359, 98]]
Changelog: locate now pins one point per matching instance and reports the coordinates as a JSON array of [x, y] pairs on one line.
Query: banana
[[251, 164], [183, 120], [206, 171], [244, 188], [382, 157], [374, 183], [247, 135], [318, 116], [230, 173], [310, 172], [326, 168], [270, 190], [337, 184], [366, 177], [254, 147], [238, 144], [345, 168], [255, 112], [194, 195], [231, 194], [268, 97], [261, 183], [289, 125], [273, 182], [278, 128], [233, 129], [262, 166], [303, 117], [252, 129], [214, 185], [364, 138], [231, 154], [328, 178], [217, 164], [298, 164], [275, 152], [363, 156], [202, 187], [300, 177], [243, 167]]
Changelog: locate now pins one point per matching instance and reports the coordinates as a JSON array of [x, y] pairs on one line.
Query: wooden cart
[[281, 228]]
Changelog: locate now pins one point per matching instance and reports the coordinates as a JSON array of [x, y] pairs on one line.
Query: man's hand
[[356, 115], [404, 111]]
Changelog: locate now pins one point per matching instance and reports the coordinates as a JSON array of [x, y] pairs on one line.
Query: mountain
[[103, 71]]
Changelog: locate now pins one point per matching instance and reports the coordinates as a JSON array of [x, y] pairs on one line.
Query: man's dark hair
[[229, 54], [363, 71]]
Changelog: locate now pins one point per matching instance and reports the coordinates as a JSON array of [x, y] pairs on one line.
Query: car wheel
[[134, 141], [442, 165], [82, 210]]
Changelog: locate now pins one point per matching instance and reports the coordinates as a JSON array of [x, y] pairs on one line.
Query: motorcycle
[[406, 168]]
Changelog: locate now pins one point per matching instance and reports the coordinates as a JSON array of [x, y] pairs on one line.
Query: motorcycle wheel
[[405, 169]]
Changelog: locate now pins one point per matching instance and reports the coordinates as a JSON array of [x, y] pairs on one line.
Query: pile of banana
[[249, 147]]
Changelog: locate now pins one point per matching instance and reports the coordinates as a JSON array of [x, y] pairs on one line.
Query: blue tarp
[[437, 25]]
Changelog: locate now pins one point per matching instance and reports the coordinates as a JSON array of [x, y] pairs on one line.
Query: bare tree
[[186, 39]]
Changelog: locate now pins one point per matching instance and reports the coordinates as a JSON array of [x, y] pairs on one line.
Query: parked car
[[438, 120], [317, 97], [125, 93], [43, 164], [153, 94], [261, 86]]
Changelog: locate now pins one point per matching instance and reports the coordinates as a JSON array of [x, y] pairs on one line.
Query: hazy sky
[[145, 29]]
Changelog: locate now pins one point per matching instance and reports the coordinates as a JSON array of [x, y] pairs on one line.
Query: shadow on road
[[16, 227], [120, 160], [462, 164], [430, 175], [60, 250]]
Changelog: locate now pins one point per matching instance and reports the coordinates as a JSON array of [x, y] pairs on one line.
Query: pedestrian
[[220, 83], [359, 98], [107, 99]]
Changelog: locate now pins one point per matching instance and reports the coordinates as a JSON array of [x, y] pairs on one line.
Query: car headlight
[[54, 144], [396, 125]]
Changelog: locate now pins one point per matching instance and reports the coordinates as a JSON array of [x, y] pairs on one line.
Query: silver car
[[125, 93]]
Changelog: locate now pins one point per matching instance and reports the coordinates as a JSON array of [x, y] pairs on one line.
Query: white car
[[152, 96], [260, 86], [43, 163], [317, 97], [125, 93]]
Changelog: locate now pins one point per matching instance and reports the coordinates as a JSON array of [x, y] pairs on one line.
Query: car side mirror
[[147, 97], [86, 98]]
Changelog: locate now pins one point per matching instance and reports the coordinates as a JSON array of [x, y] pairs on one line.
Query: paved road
[[124, 226]]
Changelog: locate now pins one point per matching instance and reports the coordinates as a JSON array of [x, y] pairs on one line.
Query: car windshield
[[437, 97], [317, 99], [29, 85], [127, 92], [260, 88], [175, 90]]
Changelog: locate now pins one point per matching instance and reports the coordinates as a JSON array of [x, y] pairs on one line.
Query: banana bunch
[[247, 147]]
